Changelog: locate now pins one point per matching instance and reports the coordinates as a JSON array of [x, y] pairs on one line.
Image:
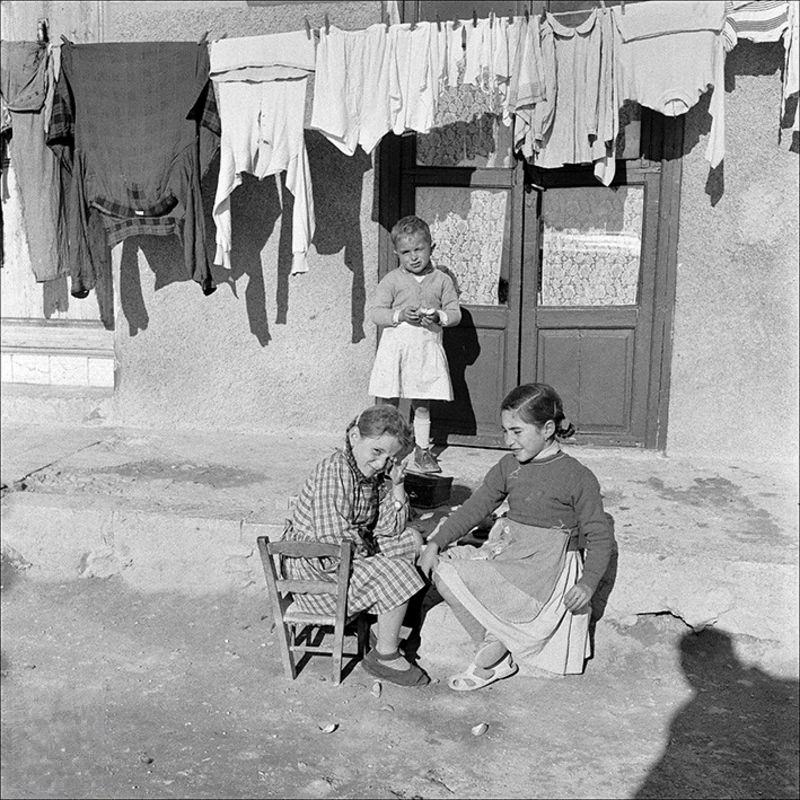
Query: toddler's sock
[[422, 427]]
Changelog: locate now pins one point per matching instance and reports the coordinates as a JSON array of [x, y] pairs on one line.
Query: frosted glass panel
[[469, 228], [591, 246]]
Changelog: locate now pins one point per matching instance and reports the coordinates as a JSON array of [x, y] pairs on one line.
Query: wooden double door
[[562, 280]]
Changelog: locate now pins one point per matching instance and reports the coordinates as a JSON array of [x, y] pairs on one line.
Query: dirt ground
[[110, 693]]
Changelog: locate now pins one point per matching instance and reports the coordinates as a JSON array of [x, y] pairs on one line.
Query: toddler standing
[[413, 303]]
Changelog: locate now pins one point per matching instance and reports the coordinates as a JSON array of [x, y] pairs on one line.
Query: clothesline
[[370, 82]]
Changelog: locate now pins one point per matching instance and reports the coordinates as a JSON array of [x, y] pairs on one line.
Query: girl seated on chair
[[357, 493]]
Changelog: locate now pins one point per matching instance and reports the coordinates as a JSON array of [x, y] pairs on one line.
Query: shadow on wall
[[256, 207], [338, 181], [737, 737], [747, 58]]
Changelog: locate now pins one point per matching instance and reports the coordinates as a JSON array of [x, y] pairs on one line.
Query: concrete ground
[[139, 661]]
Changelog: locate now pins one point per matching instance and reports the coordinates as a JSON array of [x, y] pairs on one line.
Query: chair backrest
[[273, 553]]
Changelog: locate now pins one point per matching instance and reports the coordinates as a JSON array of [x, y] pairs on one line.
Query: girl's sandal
[[468, 681]]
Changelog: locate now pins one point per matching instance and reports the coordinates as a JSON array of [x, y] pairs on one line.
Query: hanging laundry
[[586, 97], [791, 69], [413, 91], [351, 87], [136, 127], [532, 86], [261, 81], [671, 53], [24, 81], [762, 21]]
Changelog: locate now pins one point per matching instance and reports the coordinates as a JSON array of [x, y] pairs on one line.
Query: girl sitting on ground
[[357, 493], [525, 593]]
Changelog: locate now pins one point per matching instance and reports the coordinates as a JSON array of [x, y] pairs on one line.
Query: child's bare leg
[[489, 650], [389, 636]]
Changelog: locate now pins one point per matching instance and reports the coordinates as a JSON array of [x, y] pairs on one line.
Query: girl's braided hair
[[536, 403]]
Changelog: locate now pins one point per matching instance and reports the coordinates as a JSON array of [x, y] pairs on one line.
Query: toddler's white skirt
[[411, 362]]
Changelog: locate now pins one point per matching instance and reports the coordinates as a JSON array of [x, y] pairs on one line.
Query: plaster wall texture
[[266, 351], [734, 376]]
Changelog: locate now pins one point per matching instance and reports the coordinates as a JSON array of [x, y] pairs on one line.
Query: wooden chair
[[288, 618]]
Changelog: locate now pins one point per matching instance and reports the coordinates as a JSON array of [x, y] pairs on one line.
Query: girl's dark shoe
[[376, 665]]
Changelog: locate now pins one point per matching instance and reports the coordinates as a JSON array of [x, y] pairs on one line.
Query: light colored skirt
[[539, 634], [411, 362]]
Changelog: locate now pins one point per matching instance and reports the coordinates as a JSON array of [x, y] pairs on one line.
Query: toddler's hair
[[407, 226], [375, 421], [536, 403]]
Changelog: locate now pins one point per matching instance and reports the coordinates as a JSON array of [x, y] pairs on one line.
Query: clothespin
[[203, 38], [527, 16], [622, 4], [603, 6], [308, 27], [65, 40], [474, 18], [491, 18], [41, 31], [510, 19], [327, 24], [438, 22]]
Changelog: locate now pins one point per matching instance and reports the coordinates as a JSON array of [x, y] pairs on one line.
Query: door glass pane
[[470, 228], [591, 246]]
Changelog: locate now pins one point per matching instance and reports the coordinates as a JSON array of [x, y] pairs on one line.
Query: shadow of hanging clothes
[[255, 209], [737, 737], [338, 182]]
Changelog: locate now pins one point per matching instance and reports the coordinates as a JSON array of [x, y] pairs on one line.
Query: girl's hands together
[[409, 314], [577, 598]]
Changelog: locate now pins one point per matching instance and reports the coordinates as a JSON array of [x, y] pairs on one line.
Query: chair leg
[[285, 636], [336, 653], [362, 627]]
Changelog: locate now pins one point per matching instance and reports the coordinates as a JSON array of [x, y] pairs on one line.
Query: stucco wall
[[266, 351], [734, 382]]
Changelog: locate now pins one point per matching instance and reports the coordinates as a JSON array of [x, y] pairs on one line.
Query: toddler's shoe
[[424, 461]]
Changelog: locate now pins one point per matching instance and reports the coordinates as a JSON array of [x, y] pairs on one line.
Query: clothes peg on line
[[41, 32], [622, 5], [308, 27], [327, 24], [527, 16], [65, 40], [474, 18], [203, 38], [438, 22], [491, 18]]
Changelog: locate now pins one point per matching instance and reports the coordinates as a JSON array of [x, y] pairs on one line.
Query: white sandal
[[468, 681]]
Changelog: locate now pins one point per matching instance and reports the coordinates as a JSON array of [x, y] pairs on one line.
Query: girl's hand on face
[[397, 472], [577, 598]]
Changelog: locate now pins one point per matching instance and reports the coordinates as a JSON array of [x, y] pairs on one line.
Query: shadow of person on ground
[[736, 737]]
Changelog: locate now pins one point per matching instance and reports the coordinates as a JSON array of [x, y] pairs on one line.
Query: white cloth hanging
[[791, 72], [412, 89], [351, 88], [261, 89], [671, 52]]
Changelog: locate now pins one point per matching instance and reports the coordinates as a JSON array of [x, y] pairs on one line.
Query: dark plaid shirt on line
[[136, 212]]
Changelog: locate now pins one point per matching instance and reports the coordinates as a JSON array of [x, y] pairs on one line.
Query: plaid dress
[[336, 503]]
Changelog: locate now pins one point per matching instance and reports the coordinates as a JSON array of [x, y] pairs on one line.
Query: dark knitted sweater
[[556, 492]]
